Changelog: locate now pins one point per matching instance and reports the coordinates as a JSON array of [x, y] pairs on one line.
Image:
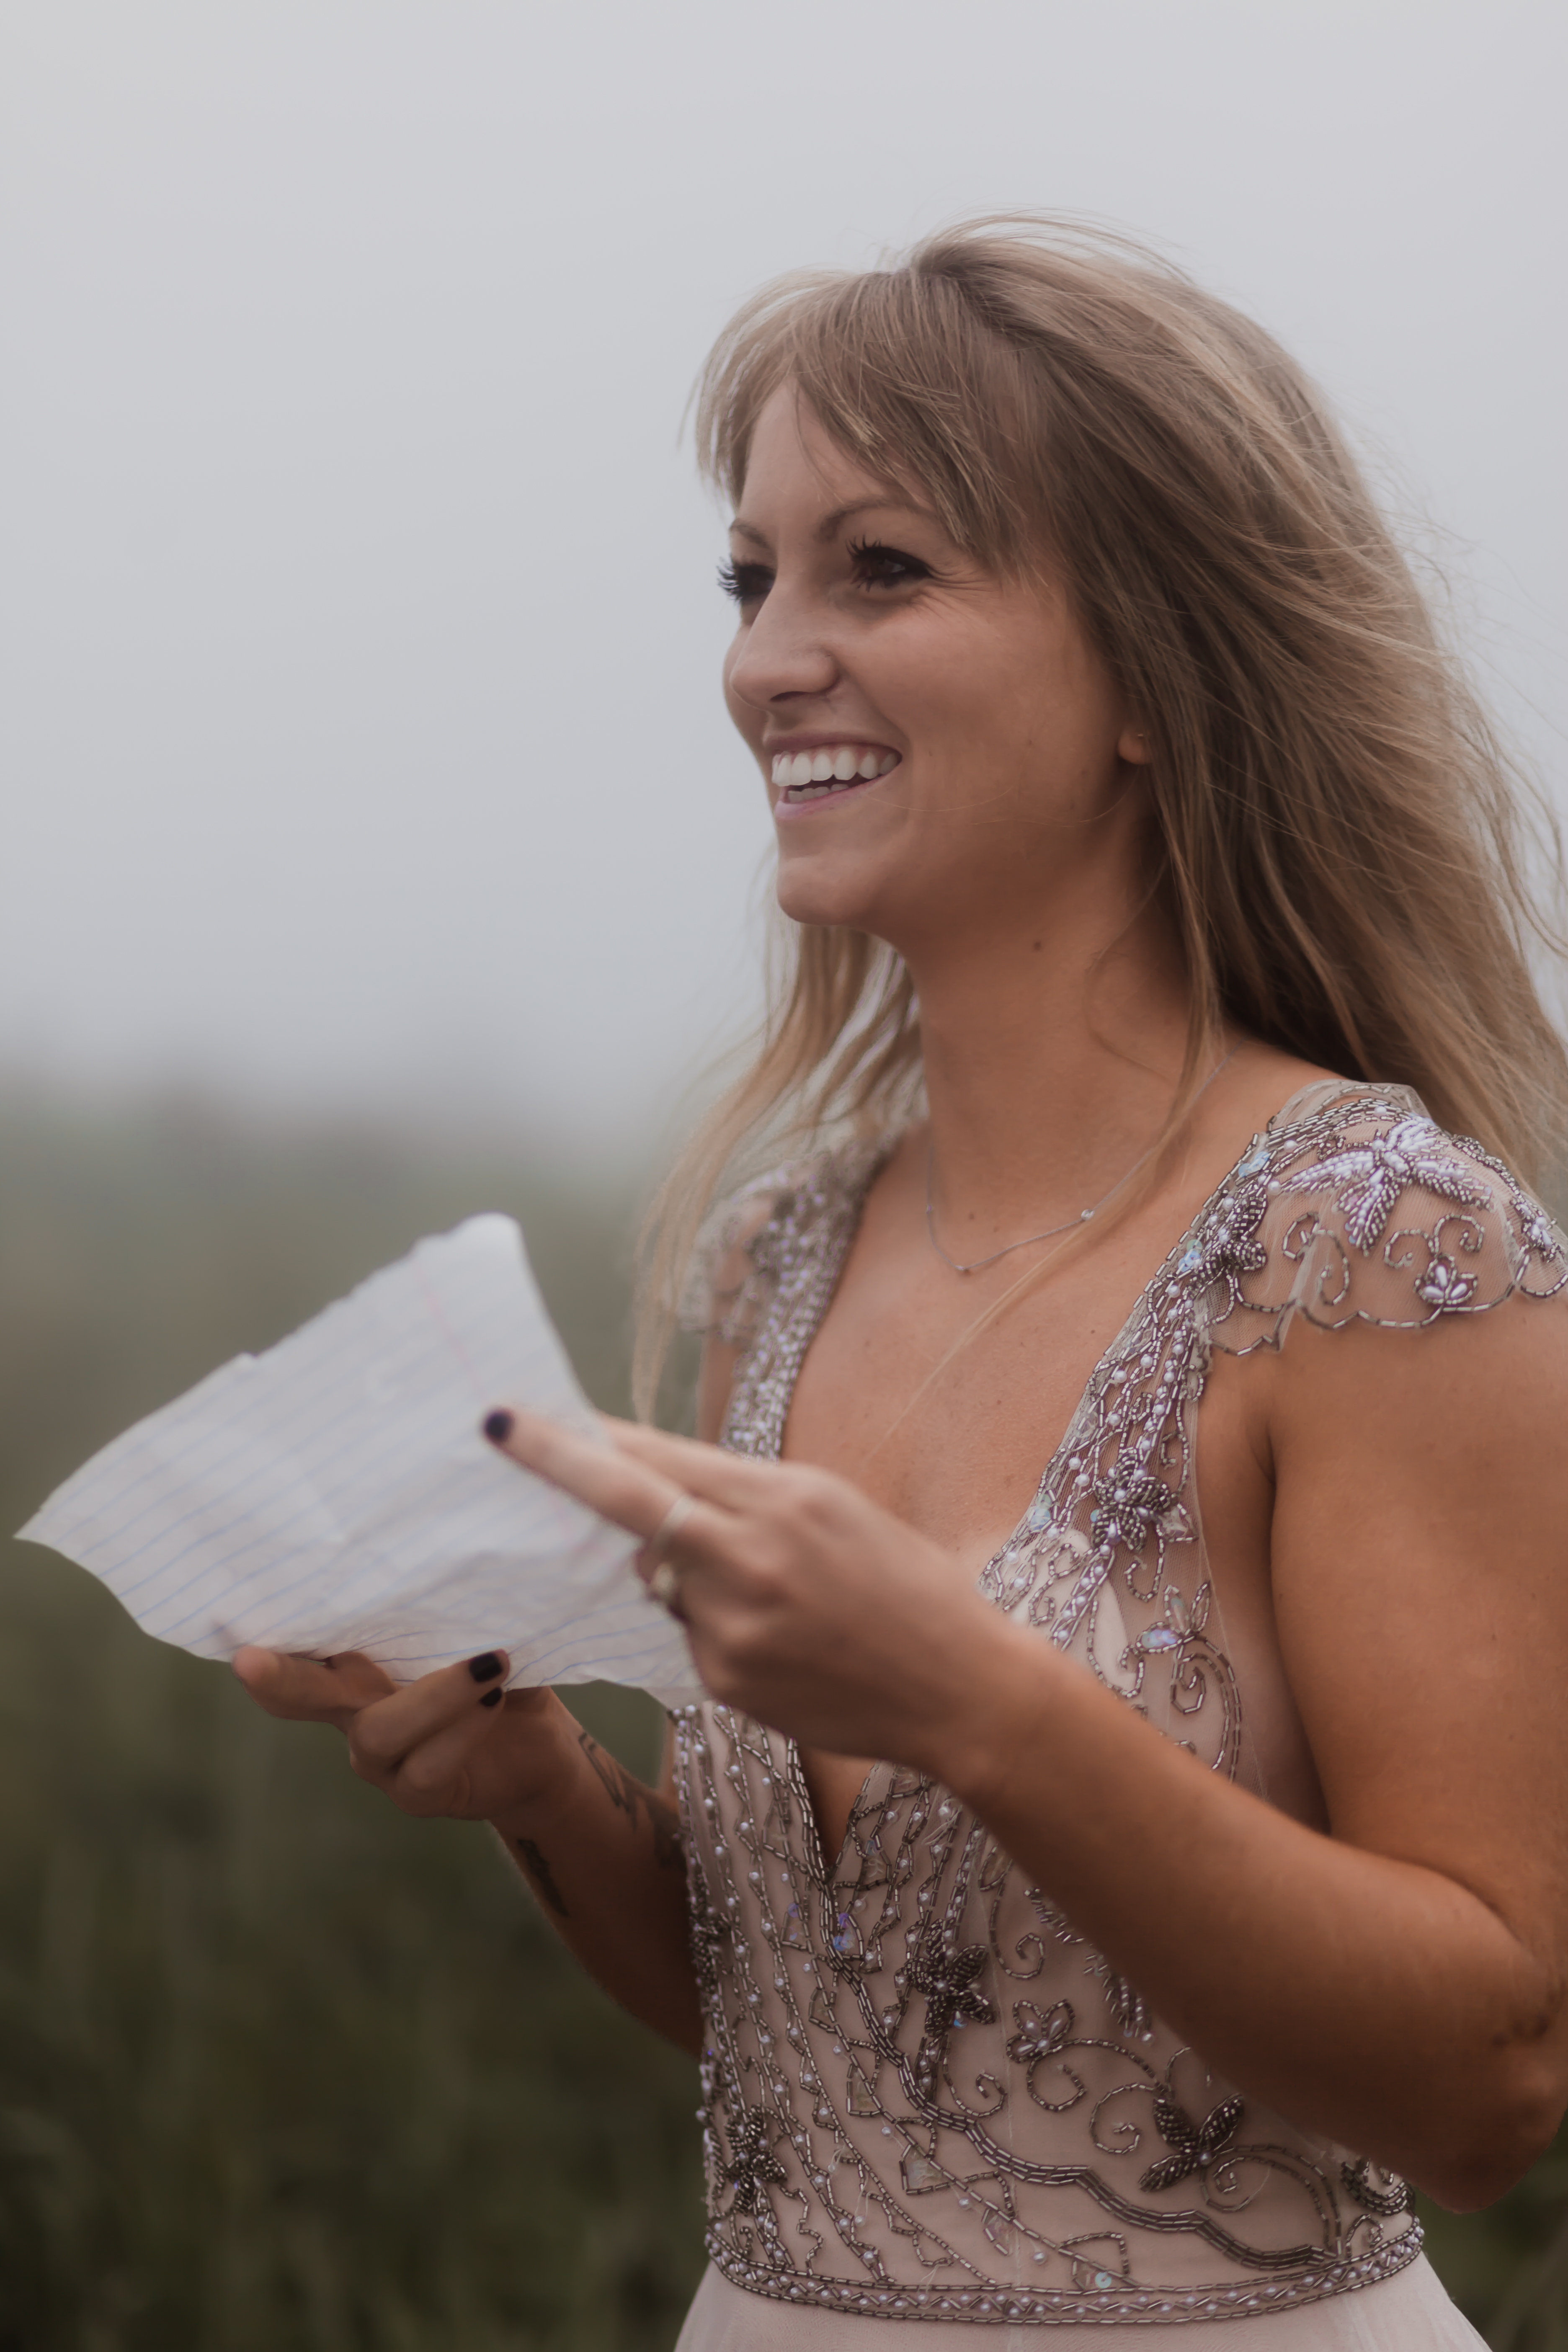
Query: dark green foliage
[[277, 2067], [279, 2071], [1509, 2267]]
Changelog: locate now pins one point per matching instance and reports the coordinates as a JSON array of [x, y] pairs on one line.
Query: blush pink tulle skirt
[[1408, 2312]]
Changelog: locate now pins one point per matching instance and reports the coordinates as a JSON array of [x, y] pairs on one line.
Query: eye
[[745, 583], [876, 565]]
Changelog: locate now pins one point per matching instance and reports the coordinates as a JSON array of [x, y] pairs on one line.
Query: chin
[[810, 891]]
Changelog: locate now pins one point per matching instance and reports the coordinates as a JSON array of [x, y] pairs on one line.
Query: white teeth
[[806, 775]]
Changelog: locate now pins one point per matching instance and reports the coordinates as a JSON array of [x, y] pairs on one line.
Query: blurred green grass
[[279, 2068]]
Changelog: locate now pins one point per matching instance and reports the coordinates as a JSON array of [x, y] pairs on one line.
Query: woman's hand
[[453, 1743], [806, 1605]]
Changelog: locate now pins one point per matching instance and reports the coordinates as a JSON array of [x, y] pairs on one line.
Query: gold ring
[[670, 1527], [664, 1586]]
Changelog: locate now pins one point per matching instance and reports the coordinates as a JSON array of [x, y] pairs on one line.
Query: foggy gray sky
[[360, 734]]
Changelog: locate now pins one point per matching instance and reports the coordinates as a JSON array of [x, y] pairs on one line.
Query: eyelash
[[745, 583], [739, 581], [876, 550]]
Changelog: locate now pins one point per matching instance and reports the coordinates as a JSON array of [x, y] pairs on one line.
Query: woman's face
[[943, 748]]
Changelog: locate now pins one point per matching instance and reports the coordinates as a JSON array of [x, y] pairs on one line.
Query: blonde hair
[[1340, 838]]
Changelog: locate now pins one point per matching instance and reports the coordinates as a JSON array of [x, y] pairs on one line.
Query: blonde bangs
[[1345, 847]]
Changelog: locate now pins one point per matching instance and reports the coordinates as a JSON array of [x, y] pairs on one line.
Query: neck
[[1050, 1063]]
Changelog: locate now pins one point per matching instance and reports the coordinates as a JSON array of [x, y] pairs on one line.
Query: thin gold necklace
[[978, 1265]]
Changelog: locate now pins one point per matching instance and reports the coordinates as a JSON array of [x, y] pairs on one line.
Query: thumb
[[312, 1690]]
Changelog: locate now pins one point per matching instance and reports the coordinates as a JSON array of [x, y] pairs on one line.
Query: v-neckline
[[1281, 1119]]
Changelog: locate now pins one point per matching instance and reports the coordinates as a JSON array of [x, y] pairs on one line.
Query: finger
[[730, 1480], [310, 1690], [634, 1497], [387, 1732], [435, 1775]]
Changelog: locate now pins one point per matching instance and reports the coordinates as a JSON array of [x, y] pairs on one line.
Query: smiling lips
[[829, 768]]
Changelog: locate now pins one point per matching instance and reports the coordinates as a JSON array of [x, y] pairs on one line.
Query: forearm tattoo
[[629, 1796], [541, 1876]]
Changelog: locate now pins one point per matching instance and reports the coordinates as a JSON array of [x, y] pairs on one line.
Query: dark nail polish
[[493, 1698], [498, 1426], [485, 1669]]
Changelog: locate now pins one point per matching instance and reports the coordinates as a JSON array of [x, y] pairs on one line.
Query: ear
[[1132, 745]]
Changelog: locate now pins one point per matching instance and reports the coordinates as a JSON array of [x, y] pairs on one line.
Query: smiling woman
[[1110, 1866]]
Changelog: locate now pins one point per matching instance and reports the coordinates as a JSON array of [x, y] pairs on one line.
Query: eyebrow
[[832, 524]]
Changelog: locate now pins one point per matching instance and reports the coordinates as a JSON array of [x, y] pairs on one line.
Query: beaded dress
[[927, 2100]]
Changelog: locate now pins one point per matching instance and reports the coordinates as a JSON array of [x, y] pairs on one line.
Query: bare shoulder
[[1414, 1299], [1466, 1410], [1415, 1295]]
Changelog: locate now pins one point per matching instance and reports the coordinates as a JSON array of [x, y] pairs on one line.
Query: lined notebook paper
[[335, 1493]]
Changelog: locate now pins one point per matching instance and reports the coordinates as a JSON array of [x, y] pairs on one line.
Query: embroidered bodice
[[925, 2093]]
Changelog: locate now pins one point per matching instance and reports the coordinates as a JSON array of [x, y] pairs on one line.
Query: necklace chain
[[978, 1265]]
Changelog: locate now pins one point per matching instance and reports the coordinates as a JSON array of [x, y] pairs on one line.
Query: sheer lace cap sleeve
[[1356, 1206], [926, 2094], [761, 1237], [726, 1287]]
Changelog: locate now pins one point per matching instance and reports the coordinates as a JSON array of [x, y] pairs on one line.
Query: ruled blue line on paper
[[335, 1493]]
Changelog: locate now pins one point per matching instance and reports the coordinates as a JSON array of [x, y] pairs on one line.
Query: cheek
[[972, 687]]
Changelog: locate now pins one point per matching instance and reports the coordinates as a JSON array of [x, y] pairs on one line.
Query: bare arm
[[601, 1851], [1397, 1982], [603, 1854]]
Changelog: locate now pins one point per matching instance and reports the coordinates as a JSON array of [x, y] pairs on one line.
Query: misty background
[[362, 740], [375, 850]]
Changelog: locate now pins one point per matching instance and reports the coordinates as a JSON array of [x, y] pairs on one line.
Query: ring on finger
[[663, 1583], [664, 1586], [663, 1537]]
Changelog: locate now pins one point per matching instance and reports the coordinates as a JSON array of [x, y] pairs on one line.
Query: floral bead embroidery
[[926, 2094]]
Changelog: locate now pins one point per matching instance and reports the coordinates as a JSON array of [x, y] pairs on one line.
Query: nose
[[785, 654]]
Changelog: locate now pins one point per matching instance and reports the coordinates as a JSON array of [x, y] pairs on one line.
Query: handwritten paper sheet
[[335, 1493]]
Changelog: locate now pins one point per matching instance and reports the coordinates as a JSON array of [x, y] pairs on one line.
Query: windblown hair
[[1341, 839]]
